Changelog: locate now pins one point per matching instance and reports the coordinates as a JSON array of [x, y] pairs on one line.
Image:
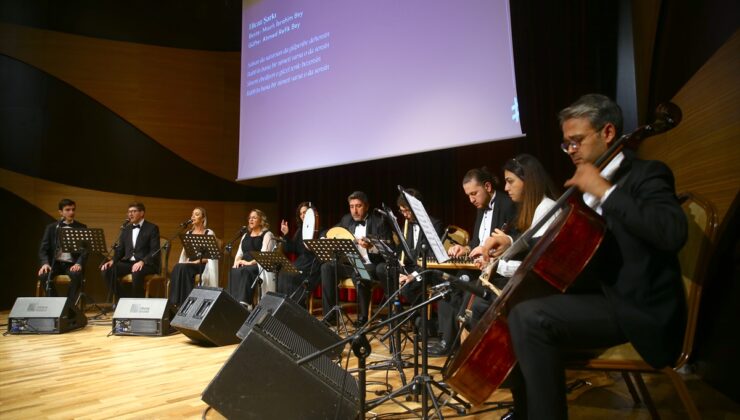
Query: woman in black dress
[[245, 271]]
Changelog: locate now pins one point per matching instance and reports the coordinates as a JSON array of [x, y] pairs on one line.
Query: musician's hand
[[477, 251], [456, 251], [44, 269], [106, 265], [497, 243], [284, 227], [137, 267], [481, 261], [75, 268], [364, 243], [403, 279], [588, 179]]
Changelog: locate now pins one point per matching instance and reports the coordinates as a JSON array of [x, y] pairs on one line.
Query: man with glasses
[[631, 290], [134, 255]]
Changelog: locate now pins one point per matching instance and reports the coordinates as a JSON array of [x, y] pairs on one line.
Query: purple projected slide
[[331, 82]]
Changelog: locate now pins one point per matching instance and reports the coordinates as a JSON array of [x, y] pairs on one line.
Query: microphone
[[125, 223], [185, 223], [463, 283]]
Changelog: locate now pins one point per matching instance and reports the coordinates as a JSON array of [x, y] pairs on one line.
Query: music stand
[[274, 262], [327, 250], [199, 246], [83, 241]]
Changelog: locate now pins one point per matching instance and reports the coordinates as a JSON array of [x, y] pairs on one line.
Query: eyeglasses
[[575, 144]]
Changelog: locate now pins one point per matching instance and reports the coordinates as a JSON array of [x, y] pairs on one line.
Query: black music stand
[[327, 250], [274, 262], [83, 241], [424, 380], [199, 246]]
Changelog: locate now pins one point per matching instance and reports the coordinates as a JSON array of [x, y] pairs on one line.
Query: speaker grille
[[298, 348]]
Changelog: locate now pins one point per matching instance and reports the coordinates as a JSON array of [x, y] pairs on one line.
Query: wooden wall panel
[[704, 150], [107, 211], [187, 100]]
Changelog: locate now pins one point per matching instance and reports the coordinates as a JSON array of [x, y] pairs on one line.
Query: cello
[[485, 359]]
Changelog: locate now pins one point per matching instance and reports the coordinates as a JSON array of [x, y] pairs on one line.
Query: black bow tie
[[359, 223], [136, 227]]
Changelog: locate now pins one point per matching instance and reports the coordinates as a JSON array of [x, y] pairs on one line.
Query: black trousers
[[120, 269], [182, 281], [540, 330], [63, 268], [242, 282]]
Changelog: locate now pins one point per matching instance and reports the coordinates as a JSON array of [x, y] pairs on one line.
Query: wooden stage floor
[[88, 374]]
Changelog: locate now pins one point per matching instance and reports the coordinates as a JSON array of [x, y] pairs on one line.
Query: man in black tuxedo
[[137, 243], [630, 291], [494, 211], [54, 262], [361, 223]]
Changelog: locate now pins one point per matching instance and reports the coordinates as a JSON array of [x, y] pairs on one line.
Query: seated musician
[[306, 262], [494, 210], [416, 241], [182, 279], [532, 190], [55, 262], [246, 272], [361, 224], [632, 288]]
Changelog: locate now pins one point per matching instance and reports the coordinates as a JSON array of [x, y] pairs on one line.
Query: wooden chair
[[347, 284], [59, 279], [154, 284], [702, 222]]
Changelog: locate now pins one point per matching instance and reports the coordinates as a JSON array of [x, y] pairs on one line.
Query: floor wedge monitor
[[44, 315], [209, 315], [297, 319], [142, 316], [262, 379]]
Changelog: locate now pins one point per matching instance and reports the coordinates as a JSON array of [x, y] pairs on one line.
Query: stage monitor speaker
[[210, 315], [142, 316], [297, 319], [44, 315], [262, 379]]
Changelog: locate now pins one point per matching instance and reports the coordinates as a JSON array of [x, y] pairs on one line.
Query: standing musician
[[306, 261], [634, 292], [531, 189], [494, 210], [137, 242], [361, 224], [55, 262]]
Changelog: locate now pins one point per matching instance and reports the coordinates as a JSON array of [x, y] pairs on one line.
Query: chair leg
[[645, 395], [38, 288], [631, 388], [683, 393]]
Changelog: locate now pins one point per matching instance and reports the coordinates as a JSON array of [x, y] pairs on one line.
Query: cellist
[[632, 289]]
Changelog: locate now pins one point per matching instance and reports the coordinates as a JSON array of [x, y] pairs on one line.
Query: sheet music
[[426, 226]]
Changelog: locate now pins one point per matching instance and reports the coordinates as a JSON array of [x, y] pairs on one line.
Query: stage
[[89, 374]]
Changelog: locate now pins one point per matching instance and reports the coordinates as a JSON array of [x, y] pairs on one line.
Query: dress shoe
[[509, 415], [359, 322], [438, 350]]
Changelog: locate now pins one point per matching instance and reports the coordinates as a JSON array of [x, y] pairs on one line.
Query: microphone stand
[[166, 247]]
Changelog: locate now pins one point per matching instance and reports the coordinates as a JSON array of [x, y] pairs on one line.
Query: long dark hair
[[537, 185]]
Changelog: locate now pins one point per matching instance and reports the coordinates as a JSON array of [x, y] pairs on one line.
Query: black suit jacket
[[641, 276], [504, 211], [146, 244], [49, 244], [374, 226]]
